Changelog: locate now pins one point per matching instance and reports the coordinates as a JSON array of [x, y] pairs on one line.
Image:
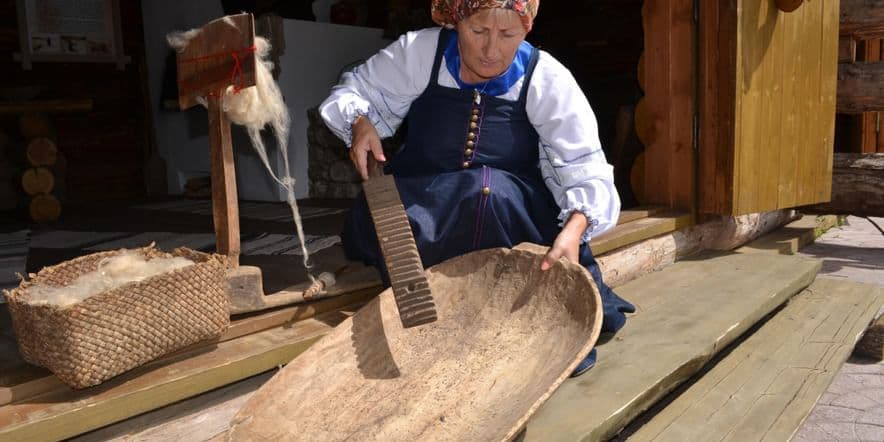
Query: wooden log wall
[[105, 147], [860, 93], [857, 186], [862, 19], [776, 79]]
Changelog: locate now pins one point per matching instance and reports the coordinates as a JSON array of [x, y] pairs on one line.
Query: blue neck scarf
[[497, 86]]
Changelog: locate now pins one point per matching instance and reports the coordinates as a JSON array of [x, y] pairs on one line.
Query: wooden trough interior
[[507, 336]]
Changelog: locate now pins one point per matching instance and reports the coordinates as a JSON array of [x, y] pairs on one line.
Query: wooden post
[[225, 207], [221, 55], [665, 116]]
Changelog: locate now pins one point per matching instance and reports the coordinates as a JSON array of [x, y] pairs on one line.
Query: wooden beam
[[860, 87], [857, 186], [862, 19], [641, 229], [67, 413], [35, 381]]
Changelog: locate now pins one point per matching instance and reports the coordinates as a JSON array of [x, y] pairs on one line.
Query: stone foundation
[[330, 171]]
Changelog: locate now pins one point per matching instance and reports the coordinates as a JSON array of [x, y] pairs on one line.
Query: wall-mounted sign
[[70, 31]]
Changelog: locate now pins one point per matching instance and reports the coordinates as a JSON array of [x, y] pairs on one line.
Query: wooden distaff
[[220, 56]]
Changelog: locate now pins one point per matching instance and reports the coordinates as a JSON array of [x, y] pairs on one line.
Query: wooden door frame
[[666, 117]]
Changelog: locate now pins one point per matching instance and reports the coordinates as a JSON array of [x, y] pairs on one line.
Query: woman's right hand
[[365, 140]]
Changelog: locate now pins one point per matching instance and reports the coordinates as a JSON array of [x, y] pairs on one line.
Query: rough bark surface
[[723, 233], [857, 186]]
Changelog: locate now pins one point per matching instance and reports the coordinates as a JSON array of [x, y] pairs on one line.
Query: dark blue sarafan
[[469, 179]]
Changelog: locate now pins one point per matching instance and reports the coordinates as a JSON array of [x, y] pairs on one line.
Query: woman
[[502, 145]]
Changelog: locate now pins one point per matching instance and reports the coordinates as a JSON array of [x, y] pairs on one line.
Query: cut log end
[[37, 180], [44, 208], [42, 151]]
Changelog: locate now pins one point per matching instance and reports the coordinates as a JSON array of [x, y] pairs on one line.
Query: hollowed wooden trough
[[507, 336]]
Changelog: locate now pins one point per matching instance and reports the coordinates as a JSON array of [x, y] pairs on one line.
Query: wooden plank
[[656, 103], [685, 316], [757, 21], [765, 388], [668, 108], [683, 101], [63, 414], [34, 380], [862, 18], [809, 90], [790, 126], [828, 97], [860, 87], [717, 102], [629, 215], [641, 229], [768, 147]]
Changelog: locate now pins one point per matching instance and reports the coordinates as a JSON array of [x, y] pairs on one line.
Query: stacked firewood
[[43, 172]]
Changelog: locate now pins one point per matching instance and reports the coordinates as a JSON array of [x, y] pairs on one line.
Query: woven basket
[[117, 330]]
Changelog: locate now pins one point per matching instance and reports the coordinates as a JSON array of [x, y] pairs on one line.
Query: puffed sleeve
[[383, 88], [572, 162]]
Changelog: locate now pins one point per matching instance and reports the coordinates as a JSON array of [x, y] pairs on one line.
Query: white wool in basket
[[112, 272]]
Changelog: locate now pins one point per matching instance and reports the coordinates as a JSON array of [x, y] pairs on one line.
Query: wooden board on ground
[[20, 381], [687, 313], [63, 414], [766, 386], [792, 237], [507, 335]]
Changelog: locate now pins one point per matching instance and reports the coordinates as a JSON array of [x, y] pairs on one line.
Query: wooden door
[[767, 94]]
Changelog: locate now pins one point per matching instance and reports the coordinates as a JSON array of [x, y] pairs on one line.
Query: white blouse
[[572, 162]]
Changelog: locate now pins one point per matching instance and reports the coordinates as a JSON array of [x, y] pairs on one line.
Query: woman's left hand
[[567, 244]]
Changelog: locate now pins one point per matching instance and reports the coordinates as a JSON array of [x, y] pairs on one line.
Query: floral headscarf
[[450, 12]]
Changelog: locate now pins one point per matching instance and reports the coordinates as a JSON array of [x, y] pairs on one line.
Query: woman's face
[[488, 41]]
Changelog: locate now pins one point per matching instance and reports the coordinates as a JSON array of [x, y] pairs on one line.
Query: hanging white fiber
[[255, 108]]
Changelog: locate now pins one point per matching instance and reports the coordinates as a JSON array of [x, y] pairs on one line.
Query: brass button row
[[471, 138]]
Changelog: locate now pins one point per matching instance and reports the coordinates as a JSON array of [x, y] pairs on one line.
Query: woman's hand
[[567, 244], [365, 140]]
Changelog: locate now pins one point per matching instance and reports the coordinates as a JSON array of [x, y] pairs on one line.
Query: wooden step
[[792, 237], [767, 385], [64, 413], [686, 314]]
